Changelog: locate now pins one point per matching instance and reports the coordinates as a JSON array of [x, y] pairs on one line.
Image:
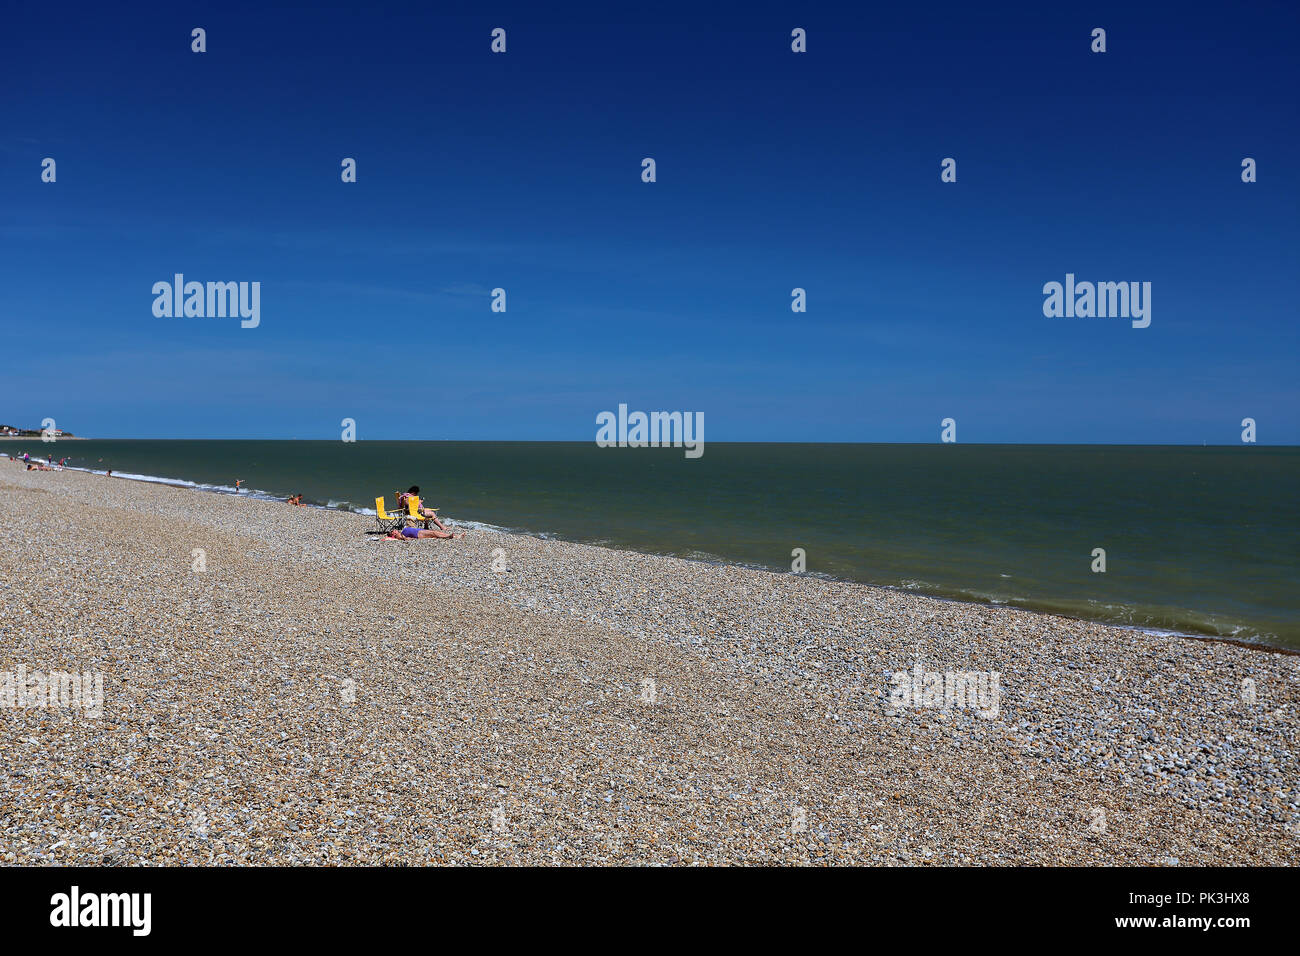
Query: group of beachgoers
[[412, 533], [35, 464], [49, 464], [406, 533]]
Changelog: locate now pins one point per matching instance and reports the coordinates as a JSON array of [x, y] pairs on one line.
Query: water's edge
[[1045, 608]]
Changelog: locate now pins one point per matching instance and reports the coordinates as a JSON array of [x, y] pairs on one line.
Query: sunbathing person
[[414, 492], [409, 533]]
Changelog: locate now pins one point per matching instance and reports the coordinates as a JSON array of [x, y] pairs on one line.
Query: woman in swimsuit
[[430, 513], [409, 532]]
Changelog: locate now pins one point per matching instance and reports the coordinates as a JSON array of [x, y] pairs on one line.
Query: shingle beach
[[299, 692]]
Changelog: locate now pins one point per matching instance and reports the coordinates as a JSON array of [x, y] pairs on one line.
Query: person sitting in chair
[[430, 514]]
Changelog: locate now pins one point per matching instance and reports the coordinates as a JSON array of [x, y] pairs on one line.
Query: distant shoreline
[[588, 441], [41, 440]]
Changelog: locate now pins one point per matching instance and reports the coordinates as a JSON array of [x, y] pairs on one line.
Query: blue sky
[[775, 170]]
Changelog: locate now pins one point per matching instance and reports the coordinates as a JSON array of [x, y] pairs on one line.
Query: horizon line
[[569, 441]]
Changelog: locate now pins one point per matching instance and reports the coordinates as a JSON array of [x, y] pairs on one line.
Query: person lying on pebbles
[[409, 532]]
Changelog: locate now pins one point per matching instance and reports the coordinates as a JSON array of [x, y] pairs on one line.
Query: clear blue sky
[[775, 170]]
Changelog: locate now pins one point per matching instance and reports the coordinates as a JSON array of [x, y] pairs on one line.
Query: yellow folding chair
[[414, 513], [386, 521]]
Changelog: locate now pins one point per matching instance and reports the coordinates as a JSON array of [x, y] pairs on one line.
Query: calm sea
[[1196, 540]]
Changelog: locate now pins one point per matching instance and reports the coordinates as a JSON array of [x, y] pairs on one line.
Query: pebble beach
[[282, 688]]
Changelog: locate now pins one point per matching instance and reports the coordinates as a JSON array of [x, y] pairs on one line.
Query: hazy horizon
[[711, 441]]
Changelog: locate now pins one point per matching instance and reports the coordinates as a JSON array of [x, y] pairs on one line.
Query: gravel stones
[[317, 696]]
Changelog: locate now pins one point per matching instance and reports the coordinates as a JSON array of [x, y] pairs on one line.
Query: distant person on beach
[[413, 533], [238, 482], [414, 492]]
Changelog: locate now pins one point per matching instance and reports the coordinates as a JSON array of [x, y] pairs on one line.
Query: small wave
[[908, 584], [215, 489], [706, 556], [484, 526], [151, 479]]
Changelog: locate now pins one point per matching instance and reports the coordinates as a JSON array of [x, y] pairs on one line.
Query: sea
[[1203, 541]]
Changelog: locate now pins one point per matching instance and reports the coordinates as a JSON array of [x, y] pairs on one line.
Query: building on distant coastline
[[13, 431]]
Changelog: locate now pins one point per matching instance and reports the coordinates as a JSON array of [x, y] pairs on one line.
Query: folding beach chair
[[413, 506], [386, 521]]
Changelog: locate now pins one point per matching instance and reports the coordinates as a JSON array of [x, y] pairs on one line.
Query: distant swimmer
[[238, 482]]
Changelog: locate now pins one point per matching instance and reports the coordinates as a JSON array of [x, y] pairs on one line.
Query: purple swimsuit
[[410, 532]]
